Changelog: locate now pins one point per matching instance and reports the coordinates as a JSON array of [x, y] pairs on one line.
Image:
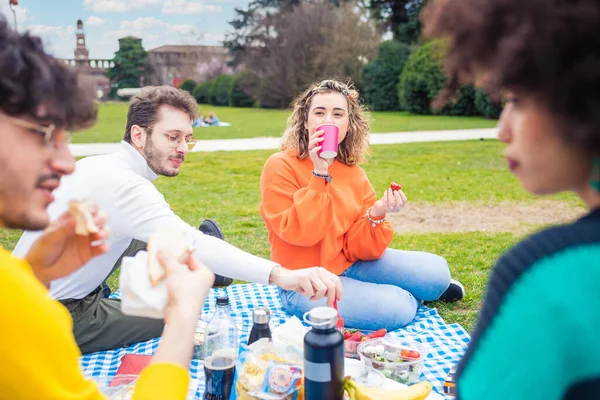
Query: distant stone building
[[92, 71], [172, 64]]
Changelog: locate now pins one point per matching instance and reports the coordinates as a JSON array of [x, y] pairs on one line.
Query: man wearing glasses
[[40, 100], [157, 138]]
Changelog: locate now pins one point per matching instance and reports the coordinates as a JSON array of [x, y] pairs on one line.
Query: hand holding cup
[[314, 147]]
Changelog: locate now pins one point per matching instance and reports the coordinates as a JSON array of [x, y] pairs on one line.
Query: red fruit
[[347, 335], [410, 354], [355, 337], [377, 334], [395, 186]]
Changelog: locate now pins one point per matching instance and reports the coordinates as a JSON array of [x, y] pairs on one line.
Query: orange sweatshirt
[[311, 223], [38, 353]]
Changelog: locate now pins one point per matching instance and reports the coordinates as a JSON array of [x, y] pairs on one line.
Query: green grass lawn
[[255, 122], [224, 186]]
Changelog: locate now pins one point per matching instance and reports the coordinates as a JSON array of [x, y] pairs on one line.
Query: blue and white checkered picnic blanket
[[446, 342]]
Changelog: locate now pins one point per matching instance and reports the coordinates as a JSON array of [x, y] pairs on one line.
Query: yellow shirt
[[39, 358]]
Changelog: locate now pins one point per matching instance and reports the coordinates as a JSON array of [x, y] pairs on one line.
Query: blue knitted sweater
[[538, 334]]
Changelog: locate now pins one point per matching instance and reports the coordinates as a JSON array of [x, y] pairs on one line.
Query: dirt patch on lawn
[[518, 218]]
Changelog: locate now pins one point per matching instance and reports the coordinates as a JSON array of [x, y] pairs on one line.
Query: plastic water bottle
[[323, 356], [220, 352]]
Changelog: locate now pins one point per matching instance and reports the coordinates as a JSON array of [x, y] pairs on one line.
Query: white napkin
[[138, 297], [290, 332]]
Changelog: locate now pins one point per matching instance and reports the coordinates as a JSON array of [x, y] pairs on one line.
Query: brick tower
[[81, 52]]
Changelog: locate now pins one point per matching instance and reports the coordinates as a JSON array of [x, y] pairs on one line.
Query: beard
[[21, 208], [156, 159]]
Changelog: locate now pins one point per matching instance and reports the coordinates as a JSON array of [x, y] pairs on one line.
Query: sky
[[157, 22]]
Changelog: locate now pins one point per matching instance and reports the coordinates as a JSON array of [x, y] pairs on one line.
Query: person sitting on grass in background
[[213, 119], [326, 212], [40, 101], [537, 334]]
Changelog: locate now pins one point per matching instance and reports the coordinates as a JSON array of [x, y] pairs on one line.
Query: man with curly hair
[[537, 335], [40, 101]]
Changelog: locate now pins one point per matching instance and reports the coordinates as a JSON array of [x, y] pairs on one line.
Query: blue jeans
[[383, 293]]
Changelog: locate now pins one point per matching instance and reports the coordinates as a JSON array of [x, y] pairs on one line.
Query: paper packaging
[[290, 333], [138, 296], [143, 280]]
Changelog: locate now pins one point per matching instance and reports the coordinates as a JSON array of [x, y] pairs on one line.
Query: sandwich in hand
[[84, 220], [173, 240]]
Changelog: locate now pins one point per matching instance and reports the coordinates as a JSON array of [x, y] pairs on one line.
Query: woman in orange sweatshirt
[[325, 212]]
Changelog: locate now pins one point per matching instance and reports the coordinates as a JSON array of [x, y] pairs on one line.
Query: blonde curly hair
[[355, 147]]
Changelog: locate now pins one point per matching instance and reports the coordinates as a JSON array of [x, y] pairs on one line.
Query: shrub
[[219, 93], [381, 76], [485, 106], [243, 90], [462, 104], [188, 85], [422, 79], [202, 92]]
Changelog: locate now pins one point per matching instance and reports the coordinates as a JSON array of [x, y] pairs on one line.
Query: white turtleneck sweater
[[121, 184]]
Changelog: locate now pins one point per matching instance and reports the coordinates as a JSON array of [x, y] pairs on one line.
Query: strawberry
[[410, 354], [395, 186], [414, 354], [377, 334], [355, 337]]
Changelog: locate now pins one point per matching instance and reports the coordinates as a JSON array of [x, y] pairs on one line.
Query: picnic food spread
[[84, 221]]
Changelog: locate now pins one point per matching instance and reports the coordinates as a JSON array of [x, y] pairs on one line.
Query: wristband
[[374, 222], [327, 177]]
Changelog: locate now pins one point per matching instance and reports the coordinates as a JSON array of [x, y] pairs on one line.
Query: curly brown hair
[[547, 49], [355, 147], [31, 79]]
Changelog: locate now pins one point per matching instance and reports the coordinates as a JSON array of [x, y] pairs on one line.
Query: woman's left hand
[[392, 201]]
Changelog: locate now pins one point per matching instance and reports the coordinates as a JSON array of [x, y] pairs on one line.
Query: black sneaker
[[210, 227], [455, 292]]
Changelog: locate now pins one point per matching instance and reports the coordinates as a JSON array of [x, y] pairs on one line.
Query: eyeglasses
[[53, 138], [175, 140]]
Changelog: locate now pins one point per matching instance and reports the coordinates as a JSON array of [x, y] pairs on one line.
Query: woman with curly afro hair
[[537, 335]]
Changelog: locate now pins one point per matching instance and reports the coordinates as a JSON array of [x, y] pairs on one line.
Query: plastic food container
[[399, 359], [117, 387], [350, 346]]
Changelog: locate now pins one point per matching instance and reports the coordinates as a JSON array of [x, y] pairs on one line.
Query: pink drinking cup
[[329, 146]]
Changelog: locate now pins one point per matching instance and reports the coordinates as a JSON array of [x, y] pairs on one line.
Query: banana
[[419, 391]]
